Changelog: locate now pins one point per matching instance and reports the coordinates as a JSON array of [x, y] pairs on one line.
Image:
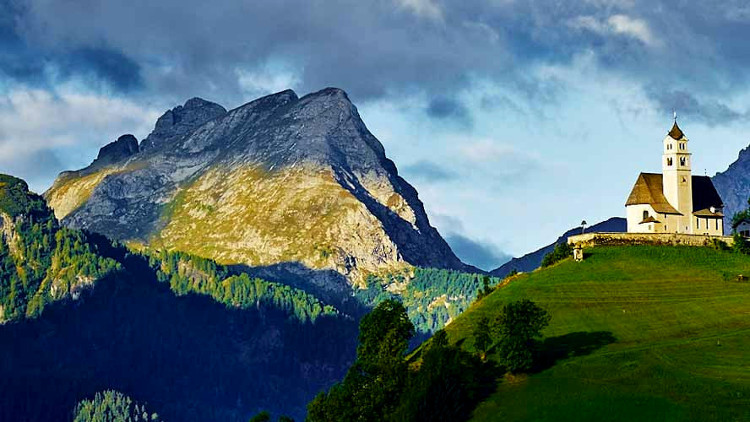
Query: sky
[[515, 120]]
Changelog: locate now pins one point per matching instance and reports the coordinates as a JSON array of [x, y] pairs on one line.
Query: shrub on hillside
[[112, 406], [562, 250]]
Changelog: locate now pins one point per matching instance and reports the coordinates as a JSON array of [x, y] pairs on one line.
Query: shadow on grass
[[581, 343]]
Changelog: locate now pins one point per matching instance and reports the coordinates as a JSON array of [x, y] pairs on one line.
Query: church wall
[[634, 215], [703, 225], [617, 239]]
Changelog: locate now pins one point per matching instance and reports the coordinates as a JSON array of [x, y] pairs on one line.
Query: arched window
[[669, 161], [645, 214], [682, 161]]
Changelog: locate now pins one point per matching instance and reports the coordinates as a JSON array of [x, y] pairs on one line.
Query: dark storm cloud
[[429, 171], [180, 48], [479, 254], [711, 112], [108, 66], [448, 108], [30, 63]]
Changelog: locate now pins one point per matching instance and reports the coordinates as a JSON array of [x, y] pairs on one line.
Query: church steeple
[[676, 133], [677, 175]]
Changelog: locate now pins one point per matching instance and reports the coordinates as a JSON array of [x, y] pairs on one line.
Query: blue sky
[[515, 120]]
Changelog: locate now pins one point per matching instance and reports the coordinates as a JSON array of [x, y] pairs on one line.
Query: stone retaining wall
[[617, 239]]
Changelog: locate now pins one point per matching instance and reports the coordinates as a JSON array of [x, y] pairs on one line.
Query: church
[[675, 201]]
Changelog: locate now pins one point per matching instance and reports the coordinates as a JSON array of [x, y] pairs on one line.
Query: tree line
[[188, 274]]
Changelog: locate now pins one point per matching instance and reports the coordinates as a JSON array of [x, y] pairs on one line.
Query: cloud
[[619, 24], [422, 8], [429, 171], [37, 123], [486, 150], [632, 27], [479, 253], [448, 108], [709, 111]]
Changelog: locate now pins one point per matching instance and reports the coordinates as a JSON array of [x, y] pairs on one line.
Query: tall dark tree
[[482, 337], [520, 324], [372, 387]]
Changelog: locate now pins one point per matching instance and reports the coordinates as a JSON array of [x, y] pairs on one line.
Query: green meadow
[[642, 333]]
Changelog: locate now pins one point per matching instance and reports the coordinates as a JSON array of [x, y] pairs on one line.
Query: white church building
[[675, 201]]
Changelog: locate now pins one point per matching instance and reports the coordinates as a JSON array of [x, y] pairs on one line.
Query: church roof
[[705, 196], [649, 189], [676, 133]]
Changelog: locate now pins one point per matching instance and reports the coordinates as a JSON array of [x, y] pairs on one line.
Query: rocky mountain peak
[[279, 180], [124, 147], [178, 122]]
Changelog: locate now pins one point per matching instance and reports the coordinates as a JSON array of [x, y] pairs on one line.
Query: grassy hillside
[[637, 333]]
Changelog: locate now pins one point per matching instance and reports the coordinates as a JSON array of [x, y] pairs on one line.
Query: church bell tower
[[677, 176]]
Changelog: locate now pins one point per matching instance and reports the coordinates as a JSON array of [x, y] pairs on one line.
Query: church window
[[682, 161], [698, 222], [669, 146], [669, 161], [645, 214]]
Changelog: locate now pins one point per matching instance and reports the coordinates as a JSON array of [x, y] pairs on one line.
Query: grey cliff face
[[318, 132], [733, 186], [117, 151], [180, 121]]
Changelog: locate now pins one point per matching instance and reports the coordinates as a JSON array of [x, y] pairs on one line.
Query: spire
[[676, 132]]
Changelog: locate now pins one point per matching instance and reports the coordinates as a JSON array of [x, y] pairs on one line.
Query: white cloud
[[267, 80], [632, 27], [622, 25], [36, 122], [423, 8], [485, 150]]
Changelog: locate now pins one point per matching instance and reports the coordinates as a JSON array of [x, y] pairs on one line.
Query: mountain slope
[[733, 186], [637, 333], [196, 340], [40, 262], [533, 260], [281, 179]]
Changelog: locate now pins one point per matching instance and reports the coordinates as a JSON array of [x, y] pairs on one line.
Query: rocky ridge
[[733, 186], [281, 179]]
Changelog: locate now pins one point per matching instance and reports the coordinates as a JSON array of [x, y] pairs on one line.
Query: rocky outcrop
[[180, 121], [733, 186], [281, 179], [119, 150]]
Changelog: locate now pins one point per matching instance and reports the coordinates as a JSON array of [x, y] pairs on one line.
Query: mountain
[[298, 183], [733, 186], [193, 339], [533, 260], [40, 262]]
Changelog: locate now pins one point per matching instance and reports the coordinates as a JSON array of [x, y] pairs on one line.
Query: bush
[[562, 250]]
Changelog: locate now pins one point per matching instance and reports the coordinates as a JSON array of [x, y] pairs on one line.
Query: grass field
[[641, 333]]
